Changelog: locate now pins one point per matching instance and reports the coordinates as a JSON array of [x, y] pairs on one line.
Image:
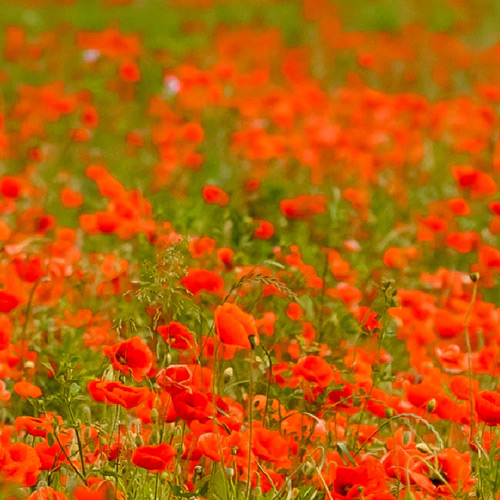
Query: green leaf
[[344, 452], [177, 491]]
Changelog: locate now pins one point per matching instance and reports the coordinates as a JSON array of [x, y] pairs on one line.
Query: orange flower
[[71, 198], [26, 389], [234, 327], [20, 463]]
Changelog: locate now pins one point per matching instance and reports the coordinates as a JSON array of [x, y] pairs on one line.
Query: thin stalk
[[250, 423], [469, 351]]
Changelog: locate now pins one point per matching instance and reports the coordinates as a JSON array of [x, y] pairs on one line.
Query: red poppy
[[117, 393], [8, 302], [33, 426], [198, 280], [177, 335], [234, 327], [488, 407], [270, 445], [215, 195], [20, 463], [71, 198], [175, 378], [304, 206], [314, 369], [129, 71], [154, 458], [131, 356], [192, 406], [10, 187], [265, 230]]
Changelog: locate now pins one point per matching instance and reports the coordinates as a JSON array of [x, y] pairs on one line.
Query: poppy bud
[[229, 471], [431, 405], [28, 365], [389, 412], [253, 340], [198, 471], [423, 448], [228, 374], [474, 277], [257, 492], [138, 440], [406, 438], [308, 469], [409, 496], [87, 417], [154, 415]]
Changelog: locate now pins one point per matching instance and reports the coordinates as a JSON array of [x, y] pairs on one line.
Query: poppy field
[[250, 250]]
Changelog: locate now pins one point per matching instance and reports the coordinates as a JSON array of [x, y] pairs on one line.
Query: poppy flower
[[129, 71], [33, 426], [130, 356], [215, 195], [177, 335], [198, 280], [303, 206], [192, 406], [26, 389], [234, 326], [10, 187], [20, 463], [117, 393], [71, 198], [270, 445], [175, 378], [265, 230], [154, 458], [314, 369], [8, 302], [488, 407]]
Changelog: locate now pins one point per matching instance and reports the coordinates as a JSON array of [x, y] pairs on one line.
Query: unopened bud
[[389, 412], [406, 438], [138, 440], [228, 374], [154, 415], [229, 471], [198, 470], [474, 277], [423, 448], [253, 340], [308, 469], [431, 405], [28, 365]]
